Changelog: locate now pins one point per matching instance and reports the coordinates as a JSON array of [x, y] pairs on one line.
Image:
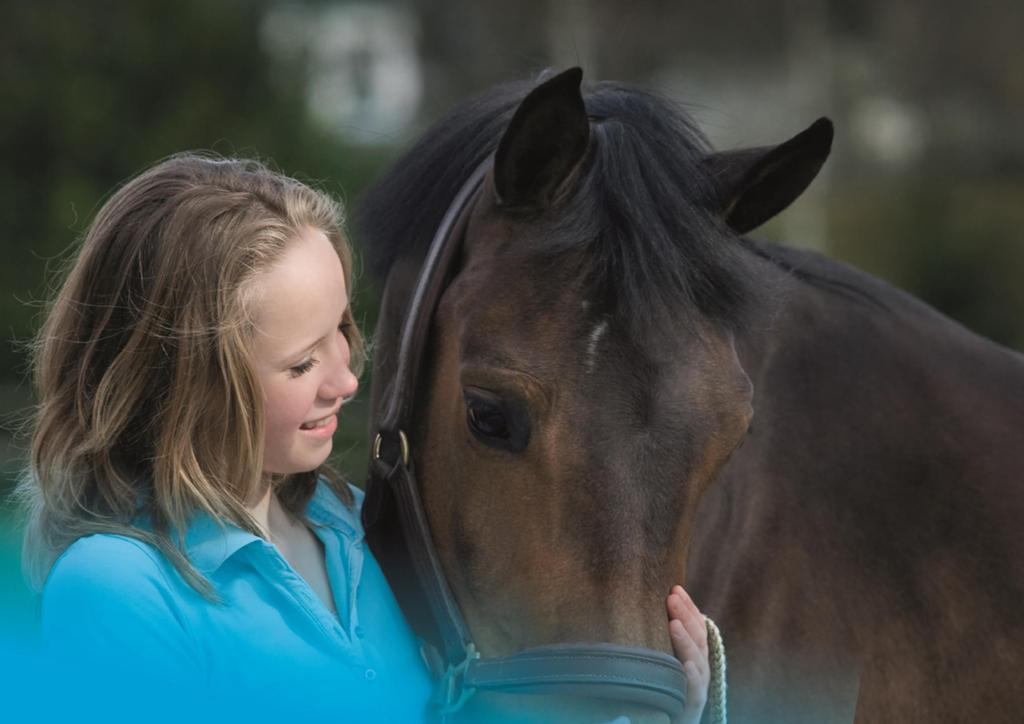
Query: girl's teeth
[[315, 423]]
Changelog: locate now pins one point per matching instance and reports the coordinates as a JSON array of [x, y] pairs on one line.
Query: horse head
[[581, 388]]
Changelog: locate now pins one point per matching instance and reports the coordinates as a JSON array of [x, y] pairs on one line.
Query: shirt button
[[360, 632], [370, 674]]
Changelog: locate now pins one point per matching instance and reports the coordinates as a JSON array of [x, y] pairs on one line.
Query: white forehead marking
[[595, 337]]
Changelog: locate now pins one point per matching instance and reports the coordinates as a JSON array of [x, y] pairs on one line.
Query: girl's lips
[[324, 427]]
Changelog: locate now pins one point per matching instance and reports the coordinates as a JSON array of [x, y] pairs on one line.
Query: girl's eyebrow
[[301, 354]]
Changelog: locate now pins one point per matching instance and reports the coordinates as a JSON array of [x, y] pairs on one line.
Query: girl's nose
[[340, 382], [348, 384]]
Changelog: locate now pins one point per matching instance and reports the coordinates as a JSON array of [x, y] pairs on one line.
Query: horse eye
[[502, 423], [486, 419]]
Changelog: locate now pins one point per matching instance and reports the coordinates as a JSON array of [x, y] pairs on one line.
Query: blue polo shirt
[[124, 630]]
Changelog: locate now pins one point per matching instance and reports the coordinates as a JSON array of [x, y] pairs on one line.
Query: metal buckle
[[403, 441], [453, 692]]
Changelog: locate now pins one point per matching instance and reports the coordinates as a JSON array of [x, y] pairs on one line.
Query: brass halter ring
[[403, 441]]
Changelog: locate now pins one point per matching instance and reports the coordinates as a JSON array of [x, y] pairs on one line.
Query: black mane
[[641, 212]]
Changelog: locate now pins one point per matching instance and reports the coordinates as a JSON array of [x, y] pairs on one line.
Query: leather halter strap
[[399, 536]]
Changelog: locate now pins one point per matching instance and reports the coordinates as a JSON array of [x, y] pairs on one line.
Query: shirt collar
[[210, 542], [325, 509]]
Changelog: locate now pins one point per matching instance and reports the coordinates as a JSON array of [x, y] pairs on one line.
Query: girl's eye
[[303, 368]]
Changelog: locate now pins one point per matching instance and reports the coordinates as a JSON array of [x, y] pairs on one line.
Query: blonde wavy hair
[[148, 404]]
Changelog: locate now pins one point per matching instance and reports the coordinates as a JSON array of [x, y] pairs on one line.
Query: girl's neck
[[260, 510], [280, 526]]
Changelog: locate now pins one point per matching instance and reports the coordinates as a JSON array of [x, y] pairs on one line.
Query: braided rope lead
[[716, 709]]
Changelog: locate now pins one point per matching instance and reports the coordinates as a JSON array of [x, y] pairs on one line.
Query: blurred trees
[[92, 93], [925, 187]]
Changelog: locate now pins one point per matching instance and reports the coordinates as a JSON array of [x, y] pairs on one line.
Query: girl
[[190, 375]]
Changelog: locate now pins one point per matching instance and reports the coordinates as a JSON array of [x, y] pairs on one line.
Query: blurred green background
[[925, 186]]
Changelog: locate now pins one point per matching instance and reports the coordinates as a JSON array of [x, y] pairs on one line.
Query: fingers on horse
[[681, 607], [681, 592], [687, 651]]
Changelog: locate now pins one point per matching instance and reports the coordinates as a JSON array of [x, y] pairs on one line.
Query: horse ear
[[544, 142], [754, 184]]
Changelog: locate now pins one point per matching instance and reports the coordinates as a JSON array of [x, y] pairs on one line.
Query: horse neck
[[834, 332], [868, 407]]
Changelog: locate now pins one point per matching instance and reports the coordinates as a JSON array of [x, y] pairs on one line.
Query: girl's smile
[[324, 427]]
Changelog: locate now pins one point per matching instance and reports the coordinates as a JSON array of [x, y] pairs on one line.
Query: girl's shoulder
[[104, 569], [111, 610], [113, 592], [106, 555]]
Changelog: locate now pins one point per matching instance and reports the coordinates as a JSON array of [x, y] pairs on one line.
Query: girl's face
[[301, 354]]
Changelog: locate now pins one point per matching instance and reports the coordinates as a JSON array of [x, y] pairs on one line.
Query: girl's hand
[[689, 635]]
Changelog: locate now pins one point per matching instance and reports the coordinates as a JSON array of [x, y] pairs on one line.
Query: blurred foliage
[[955, 243], [95, 92]]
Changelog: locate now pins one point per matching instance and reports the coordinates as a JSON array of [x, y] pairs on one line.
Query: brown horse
[[622, 388]]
